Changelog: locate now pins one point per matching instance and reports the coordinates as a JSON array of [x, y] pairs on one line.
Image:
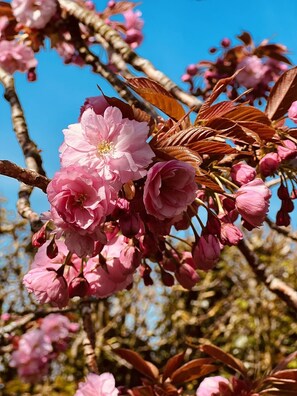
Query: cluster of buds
[[257, 67], [36, 348]]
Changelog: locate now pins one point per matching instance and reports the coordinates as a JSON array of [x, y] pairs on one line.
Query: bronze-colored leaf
[[246, 38], [158, 96], [6, 10], [211, 147], [145, 368], [217, 110], [248, 113], [283, 363], [141, 391], [206, 181], [265, 132], [186, 136], [183, 154], [172, 364], [283, 93], [286, 374], [217, 90], [118, 8], [226, 358], [192, 370]]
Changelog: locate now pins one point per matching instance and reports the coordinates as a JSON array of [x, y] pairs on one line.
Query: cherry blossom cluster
[[21, 37], [36, 348], [257, 66], [220, 386], [114, 204]]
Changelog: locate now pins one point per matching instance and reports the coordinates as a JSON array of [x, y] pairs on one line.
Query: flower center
[[104, 147], [79, 200]]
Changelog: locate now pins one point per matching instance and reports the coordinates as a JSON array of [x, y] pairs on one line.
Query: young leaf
[[172, 364], [210, 147], [145, 368], [192, 370], [183, 154], [246, 38], [224, 357], [158, 96], [282, 95]]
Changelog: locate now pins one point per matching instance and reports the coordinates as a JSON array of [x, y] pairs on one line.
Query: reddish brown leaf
[[158, 96], [246, 38], [186, 136], [248, 113], [217, 110], [192, 370], [283, 93], [183, 154], [264, 132], [283, 363], [141, 391], [172, 364], [6, 10], [210, 147], [217, 90], [118, 8], [206, 181], [286, 374], [145, 368], [224, 357]]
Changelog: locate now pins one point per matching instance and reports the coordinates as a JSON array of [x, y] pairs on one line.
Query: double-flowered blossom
[[252, 73], [169, 188], [133, 25], [15, 56], [212, 386], [97, 385], [34, 13], [80, 201], [252, 202], [115, 146], [242, 173]]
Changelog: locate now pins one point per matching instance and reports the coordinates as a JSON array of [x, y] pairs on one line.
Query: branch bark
[[24, 175], [31, 153], [89, 340], [117, 44], [275, 285]]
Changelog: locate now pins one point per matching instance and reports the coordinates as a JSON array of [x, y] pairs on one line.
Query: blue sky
[[177, 32]]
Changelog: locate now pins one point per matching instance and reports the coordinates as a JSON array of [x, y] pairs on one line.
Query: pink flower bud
[[192, 70], [79, 287], [52, 249], [206, 252], [283, 218], [287, 205], [225, 42], [167, 278], [39, 238], [111, 4], [187, 276], [242, 173], [129, 224], [230, 234], [283, 192], [292, 113], [269, 164], [252, 202], [186, 77]]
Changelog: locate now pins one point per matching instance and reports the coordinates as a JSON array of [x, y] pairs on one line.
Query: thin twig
[[275, 285], [89, 339], [283, 231], [116, 43]]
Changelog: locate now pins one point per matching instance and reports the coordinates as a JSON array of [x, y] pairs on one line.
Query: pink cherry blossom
[[97, 385], [34, 13], [206, 252], [57, 327], [98, 103], [169, 188], [47, 285], [269, 164], [292, 113], [253, 71], [16, 56], [115, 146], [80, 201], [211, 386], [230, 234], [242, 173], [133, 25], [32, 355], [252, 202], [186, 276], [287, 151]]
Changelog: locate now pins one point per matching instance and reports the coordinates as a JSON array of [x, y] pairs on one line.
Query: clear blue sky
[[177, 32]]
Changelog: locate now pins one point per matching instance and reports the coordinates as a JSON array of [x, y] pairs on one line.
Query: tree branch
[[115, 41], [89, 340], [281, 230], [24, 175], [31, 153], [275, 285]]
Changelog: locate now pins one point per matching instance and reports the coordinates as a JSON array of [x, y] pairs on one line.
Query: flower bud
[[242, 173], [269, 164], [292, 113], [79, 287]]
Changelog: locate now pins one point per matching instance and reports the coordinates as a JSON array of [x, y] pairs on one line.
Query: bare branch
[[283, 231], [114, 40], [31, 153], [275, 285], [89, 340], [26, 176]]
